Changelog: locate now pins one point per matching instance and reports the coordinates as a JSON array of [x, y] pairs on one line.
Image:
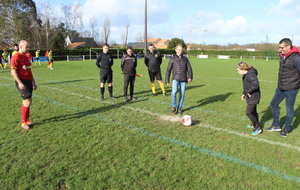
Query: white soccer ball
[[187, 120]]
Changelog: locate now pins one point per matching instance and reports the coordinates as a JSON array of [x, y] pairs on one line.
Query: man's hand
[[21, 86], [243, 97], [34, 86]]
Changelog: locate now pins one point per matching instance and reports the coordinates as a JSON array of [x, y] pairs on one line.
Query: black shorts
[[106, 76], [154, 75], [37, 58], [27, 92]]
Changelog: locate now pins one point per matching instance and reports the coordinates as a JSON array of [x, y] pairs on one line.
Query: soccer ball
[[187, 120]]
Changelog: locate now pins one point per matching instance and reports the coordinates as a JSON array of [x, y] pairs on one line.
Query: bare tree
[[106, 30], [93, 22], [141, 38], [125, 36]]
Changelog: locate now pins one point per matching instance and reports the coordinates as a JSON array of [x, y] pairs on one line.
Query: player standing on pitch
[[128, 66], [16, 50], [181, 73], [104, 63], [37, 57], [25, 83], [51, 60], [251, 92], [5, 58], [153, 61]]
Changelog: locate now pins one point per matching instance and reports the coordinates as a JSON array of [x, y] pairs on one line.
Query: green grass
[[81, 142]]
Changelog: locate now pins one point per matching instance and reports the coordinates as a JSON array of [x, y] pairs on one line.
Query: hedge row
[[65, 52]]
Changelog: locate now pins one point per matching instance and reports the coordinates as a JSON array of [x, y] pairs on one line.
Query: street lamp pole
[[145, 32]]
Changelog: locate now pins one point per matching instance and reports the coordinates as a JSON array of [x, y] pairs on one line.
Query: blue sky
[[231, 21]]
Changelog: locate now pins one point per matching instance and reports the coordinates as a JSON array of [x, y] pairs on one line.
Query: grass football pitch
[[81, 142]]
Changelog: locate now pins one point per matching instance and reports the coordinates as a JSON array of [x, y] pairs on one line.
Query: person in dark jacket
[[128, 66], [153, 61], [181, 73], [288, 85], [104, 63], [251, 92]]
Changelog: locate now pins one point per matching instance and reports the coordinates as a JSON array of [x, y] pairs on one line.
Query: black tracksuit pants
[[252, 114], [129, 79]]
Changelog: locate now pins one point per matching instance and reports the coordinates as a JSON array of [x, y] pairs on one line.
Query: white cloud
[[285, 9], [120, 13]]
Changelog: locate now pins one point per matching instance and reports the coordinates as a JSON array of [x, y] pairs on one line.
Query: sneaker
[[113, 98], [25, 126], [284, 133], [30, 123], [153, 94], [126, 99], [256, 132], [173, 110], [249, 126], [133, 98], [179, 111], [274, 128], [165, 94], [102, 98]]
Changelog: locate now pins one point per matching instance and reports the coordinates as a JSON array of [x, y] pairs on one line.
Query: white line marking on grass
[[183, 144], [178, 142], [178, 118]]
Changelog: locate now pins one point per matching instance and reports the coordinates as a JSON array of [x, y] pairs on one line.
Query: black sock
[[110, 90], [102, 91]]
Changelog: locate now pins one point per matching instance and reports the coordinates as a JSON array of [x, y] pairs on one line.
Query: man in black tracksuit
[[153, 61], [104, 63], [128, 66]]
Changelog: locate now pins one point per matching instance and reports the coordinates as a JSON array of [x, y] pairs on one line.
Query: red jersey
[[46, 54], [28, 55], [21, 63]]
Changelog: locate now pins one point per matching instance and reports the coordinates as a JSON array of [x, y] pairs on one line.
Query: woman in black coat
[[251, 93]]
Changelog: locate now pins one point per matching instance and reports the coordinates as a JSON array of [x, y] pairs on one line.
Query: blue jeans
[[290, 98], [175, 85]]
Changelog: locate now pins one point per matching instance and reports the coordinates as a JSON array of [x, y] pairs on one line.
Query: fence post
[[241, 58], [83, 58], [68, 58], [267, 58]]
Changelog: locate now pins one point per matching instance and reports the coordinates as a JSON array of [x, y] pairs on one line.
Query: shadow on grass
[[267, 115], [147, 93], [70, 81], [210, 100], [81, 114], [297, 119]]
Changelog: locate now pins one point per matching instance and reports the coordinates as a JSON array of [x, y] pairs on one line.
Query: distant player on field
[[25, 83], [1, 62], [51, 60], [37, 57], [153, 61], [5, 59], [16, 47], [104, 63]]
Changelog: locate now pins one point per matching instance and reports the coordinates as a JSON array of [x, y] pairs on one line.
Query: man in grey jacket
[[181, 73]]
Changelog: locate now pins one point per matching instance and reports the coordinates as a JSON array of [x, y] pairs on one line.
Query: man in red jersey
[[25, 83]]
